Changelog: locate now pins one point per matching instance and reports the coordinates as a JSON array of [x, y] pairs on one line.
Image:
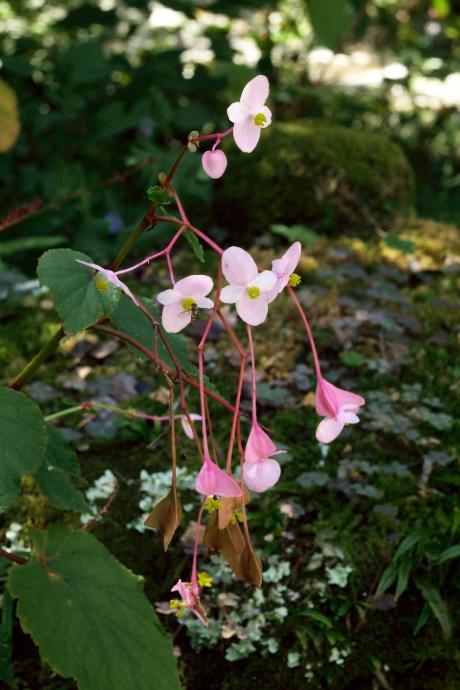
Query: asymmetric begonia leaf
[[23, 441], [89, 616], [80, 297]]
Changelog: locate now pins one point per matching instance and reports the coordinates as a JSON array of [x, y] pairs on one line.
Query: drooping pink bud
[[214, 163], [339, 407], [212, 481], [260, 471]]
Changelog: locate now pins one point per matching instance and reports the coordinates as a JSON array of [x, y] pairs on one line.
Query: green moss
[[322, 175]]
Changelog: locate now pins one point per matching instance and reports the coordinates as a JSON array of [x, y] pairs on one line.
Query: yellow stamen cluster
[[237, 517], [102, 284], [188, 303], [204, 579], [211, 504], [259, 119], [253, 292], [179, 606], [294, 280]]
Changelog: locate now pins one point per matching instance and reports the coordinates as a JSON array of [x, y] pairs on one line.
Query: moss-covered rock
[[322, 175]]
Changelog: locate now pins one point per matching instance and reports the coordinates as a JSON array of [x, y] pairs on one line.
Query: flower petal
[[330, 398], [259, 445], [246, 134], [265, 281], [194, 286], [212, 481], [287, 264], [95, 266], [255, 93], [174, 317], [252, 311], [169, 297], [236, 112], [238, 267], [231, 293], [186, 426], [263, 110], [204, 303], [261, 475], [328, 429], [214, 163]]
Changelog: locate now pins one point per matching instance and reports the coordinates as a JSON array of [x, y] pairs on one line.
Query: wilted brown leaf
[[166, 517], [228, 507], [228, 542], [251, 567]]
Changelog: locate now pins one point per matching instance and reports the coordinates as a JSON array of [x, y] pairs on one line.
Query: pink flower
[[339, 408], [109, 276], [212, 481], [214, 163], [248, 288], [190, 599], [250, 114], [181, 302], [187, 427], [260, 471], [284, 268]]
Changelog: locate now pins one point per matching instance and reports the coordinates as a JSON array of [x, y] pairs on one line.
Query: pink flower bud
[[214, 163]]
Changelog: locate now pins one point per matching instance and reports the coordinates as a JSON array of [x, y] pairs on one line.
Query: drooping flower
[[212, 481], [250, 114], [187, 427], [248, 289], [214, 163], [190, 600], [110, 277], [181, 302], [284, 269], [339, 407], [260, 471]]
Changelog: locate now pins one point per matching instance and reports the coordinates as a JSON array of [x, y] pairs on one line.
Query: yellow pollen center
[[188, 303], [259, 119], [254, 292], [102, 284], [294, 280]]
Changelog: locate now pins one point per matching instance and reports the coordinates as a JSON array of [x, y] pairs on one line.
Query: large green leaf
[[58, 454], [9, 117], [436, 603], [23, 441], [331, 20], [74, 289], [59, 490], [89, 616]]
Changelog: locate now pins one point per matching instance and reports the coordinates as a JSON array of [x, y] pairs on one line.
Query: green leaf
[[353, 358], [449, 554], [59, 454], [9, 117], [6, 641], [59, 490], [388, 577], [422, 619], [404, 570], [78, 301], [396, 242], [23, 441], [436, 603], [296, 233], [158, 196], [22, 244], [89, 616], [331, 20], [195, 244], [318, 616], [408, 542]]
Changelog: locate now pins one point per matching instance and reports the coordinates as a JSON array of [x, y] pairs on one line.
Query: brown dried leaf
[[166, 517], [251, 567], [229, 505], [229, 542]]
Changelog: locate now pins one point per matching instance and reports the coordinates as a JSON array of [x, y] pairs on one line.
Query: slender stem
[[172, 436], [308, 329], [193, 578], [235, 419], [215, 135], [253, 375], [170, 268], [175, 165], [166, 251], [64, 413], [207, 239], [231, 334], [186, 411], [12, 557], [30, 368]]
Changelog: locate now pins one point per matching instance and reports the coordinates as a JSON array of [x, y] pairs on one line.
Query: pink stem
[[235, 414], [309, 333], [193, 577], [170, 268], [253, 375], [154, 256], [215, 135], [207, 239]]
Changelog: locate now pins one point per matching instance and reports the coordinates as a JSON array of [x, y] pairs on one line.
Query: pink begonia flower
[[212, 481], [248, 288], [180, 302], [339, 408], [214, 163], [190, 599], [250, 114], [284, 268], [111, 277], [260, 471], [187, 427]]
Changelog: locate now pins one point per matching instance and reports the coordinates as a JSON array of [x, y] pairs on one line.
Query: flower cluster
[[252, 290]]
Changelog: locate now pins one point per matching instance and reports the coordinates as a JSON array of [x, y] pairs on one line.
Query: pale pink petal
[[330, 398], [194, 286], [348, 417], [86, 263], [255, 93], [186, 426], [263, 110], [204, 303], [174, 317], [185, 593], [287, 264], [238, 267], [212, 481], [246, 134], [236, 112], [265, 281], [259, 445], [214, 163], [261, 474], [328, 429], [231, 293], [169, 297], [252, 311]]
